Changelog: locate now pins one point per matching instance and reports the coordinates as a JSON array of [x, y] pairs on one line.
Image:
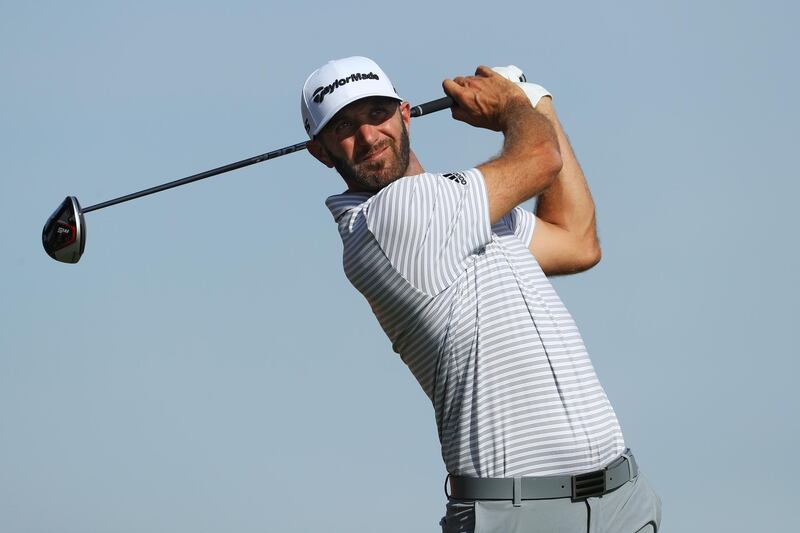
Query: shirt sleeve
[[522, 223], [429, 226]]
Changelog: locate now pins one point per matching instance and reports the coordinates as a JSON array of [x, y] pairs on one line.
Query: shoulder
[[433, 184]]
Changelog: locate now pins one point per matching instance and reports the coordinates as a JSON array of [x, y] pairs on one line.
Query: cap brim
[[349, 101]]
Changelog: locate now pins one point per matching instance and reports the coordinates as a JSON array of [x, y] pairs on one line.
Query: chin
[[374, 181], [372, 176]]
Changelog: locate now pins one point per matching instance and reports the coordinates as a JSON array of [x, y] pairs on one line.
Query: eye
[[379, 112], [343, 128]]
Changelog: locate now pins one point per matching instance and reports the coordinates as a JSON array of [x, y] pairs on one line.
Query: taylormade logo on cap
[[320, 92], [337, 84]]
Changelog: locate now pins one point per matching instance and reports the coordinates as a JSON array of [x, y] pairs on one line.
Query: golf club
[[64, 233]]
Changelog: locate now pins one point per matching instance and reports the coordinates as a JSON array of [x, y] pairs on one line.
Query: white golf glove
[[515, 74]]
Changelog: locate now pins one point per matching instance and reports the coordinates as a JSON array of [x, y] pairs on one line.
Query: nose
[[367, 134]]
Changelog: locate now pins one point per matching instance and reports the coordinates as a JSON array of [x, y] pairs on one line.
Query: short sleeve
[[522, 223], [429, 226]]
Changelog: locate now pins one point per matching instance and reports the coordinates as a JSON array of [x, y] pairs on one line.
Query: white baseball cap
[[338, 83]]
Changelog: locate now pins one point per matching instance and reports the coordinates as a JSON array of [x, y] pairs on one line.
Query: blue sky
[[207, 367]]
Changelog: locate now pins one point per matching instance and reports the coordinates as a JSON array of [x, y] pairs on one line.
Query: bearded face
[[379, 166], [367, 142]]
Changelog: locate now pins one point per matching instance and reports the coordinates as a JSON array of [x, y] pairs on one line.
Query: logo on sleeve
[[458, 177]]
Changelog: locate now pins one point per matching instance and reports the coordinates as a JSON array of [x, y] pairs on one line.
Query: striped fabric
[[469, 310]]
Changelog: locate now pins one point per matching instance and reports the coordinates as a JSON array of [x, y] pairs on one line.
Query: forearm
[[567, 202], [527, 164], [530, 159]]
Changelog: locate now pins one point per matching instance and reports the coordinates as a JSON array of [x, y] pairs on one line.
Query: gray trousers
[[632, 508]]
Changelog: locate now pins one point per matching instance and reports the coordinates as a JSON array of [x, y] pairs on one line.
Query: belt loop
[[445, 485], [517, 491], [633, 471]]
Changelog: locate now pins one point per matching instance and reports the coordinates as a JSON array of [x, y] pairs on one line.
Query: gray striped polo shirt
[[469, 310]]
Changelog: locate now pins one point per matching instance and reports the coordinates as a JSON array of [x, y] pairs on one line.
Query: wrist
[[534, 92], [516, 110]]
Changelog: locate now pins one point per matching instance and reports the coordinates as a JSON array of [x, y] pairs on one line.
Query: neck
[[414, 167]]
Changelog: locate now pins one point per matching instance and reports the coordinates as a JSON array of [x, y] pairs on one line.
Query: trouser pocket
[[533, 516]]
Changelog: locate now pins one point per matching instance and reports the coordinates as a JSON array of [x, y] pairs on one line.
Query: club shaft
[[202, 175], [417, 111]]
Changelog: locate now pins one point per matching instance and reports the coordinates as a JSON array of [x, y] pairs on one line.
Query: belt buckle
[[588, 485]]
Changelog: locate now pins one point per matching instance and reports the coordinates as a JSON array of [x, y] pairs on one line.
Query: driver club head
[[64, 233]]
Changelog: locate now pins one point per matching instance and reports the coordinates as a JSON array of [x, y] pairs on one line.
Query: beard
[[372, 176]]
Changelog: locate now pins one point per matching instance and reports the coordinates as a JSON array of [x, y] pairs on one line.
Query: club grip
[[432, 106]]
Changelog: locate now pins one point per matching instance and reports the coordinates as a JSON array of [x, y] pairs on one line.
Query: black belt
[[578, 487]]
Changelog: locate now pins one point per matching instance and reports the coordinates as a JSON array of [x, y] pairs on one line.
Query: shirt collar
[[339, 204]]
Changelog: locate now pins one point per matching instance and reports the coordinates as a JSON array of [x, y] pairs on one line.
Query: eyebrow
[[369, 103]]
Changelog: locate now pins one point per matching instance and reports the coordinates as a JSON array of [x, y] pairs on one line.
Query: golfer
[[456, 273]]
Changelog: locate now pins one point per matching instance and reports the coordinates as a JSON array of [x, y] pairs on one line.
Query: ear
[[319, 152], [405, 113]]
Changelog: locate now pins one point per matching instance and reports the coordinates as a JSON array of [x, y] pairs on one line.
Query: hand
[[485, 100], [511, 72], [535, 92]]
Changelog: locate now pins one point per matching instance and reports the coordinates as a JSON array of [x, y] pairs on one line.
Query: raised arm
[[565, 236], [530, 159]]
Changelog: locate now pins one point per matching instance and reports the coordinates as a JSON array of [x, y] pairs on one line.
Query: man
[[456, 272]]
